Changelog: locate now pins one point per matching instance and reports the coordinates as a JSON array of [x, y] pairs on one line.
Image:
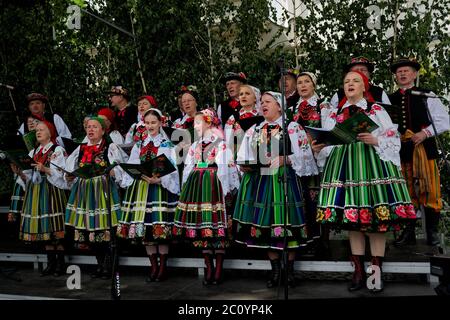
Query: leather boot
[[275, 274], [51, 264], [359, 275], [209, 272], [408, 236], [218, 275], [378, 261], [60, 264], [153, 268], [162, 274], [431, 224], [100, 257], [291, 275], [107, 272]]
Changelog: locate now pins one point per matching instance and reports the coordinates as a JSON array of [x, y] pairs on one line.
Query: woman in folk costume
[[260, 214], [16, 204], [108, 116], [137, 129], [250, 100], [189, 101], [149, 203], [249, 114], [42, 216], [362, 187], [36, 112], [209, 175], [87, 207], [310, 110]]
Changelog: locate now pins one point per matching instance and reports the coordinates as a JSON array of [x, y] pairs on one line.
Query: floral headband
[[210, 116]]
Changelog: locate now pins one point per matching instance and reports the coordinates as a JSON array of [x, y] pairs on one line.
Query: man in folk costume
[[37, 104], [290, 89], [365, 66], [126, 113], [231, 106], [418, 150]]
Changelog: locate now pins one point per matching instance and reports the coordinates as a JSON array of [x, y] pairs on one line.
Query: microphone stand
[[115, 276], [285, 254], [13, 103]]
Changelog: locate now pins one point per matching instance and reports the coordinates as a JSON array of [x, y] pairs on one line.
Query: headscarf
[[52, 129], [277, 96], [257, 93], [311, 75], [367, 94], [150, 99]]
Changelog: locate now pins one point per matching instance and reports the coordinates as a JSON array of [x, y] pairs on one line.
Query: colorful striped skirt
[[147, 213], [200, 215], [16, 205], [361, 192], [261, 223], [42, 217], [87, 209]]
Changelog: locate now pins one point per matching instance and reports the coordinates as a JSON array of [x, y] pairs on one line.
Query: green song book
[[345, 132], [158, 166], [30, 140]]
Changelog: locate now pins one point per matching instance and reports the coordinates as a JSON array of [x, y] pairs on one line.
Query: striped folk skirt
[[260, 213], [16, 205], [42, 217], [87, 209], [200, 217], [361, 192], [147, 213]]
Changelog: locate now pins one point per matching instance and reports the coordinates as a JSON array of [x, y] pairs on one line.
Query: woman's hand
[[367, 138], [69, 177], [316, 148], [279, 162], [245, 169], [40, 167], [151, 180], [419, 137]]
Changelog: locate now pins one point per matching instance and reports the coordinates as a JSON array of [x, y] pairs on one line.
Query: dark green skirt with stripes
[[260, 216], [87, 209], [16, 204], [42, 217], [147, 213], [200, 217], [361, 192]]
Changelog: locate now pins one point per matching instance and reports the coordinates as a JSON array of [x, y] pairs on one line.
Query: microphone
[[6, 86], [423, 94]]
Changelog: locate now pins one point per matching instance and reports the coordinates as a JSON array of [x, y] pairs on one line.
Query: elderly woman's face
[[94, 131], [189, 103], [42, 133], [305, 87], [247, 97], [354, 86], [270, 108]]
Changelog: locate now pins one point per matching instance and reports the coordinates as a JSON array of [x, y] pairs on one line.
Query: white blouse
[[170, 181], [388, 148], [115, 155], [302, 159], [56, 176], [226, 168]]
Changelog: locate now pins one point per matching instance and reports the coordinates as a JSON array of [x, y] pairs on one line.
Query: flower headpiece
[[210, 116]]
